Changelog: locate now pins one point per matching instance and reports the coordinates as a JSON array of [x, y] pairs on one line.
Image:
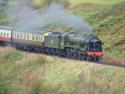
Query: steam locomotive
[[70, 45]]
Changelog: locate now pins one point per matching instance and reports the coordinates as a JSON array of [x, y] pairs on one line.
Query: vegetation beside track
[[27, 73]]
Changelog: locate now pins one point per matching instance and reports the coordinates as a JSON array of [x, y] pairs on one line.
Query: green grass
[[74, 2], [39, 74], [26, 73], [2, 17]]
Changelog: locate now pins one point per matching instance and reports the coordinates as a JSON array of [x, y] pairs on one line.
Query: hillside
[[27, 73], [108, 23], [110, 2], [30, 73], [109, 27]]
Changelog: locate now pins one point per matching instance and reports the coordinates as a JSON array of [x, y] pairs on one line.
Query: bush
[[2, 87], [11, 57]]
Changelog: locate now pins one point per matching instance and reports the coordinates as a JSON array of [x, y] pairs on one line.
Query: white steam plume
[[28, 19]]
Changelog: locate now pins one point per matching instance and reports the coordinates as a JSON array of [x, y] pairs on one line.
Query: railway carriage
[[70, 45], [27, 40], [5, 35]]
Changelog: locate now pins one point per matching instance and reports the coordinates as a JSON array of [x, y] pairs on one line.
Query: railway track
[[69, 59], [82, 61]]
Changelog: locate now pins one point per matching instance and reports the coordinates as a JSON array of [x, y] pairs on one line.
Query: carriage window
[[4, 34], [14, 35], [30, 36], [36, 38], [27, 36], [1, 34], [7, 34], [40, 38], [20, 35], [24, 36], [17, 35], [33, 37]]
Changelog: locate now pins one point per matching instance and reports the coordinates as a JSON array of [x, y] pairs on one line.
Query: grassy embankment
[[74, 2], [27, 73]]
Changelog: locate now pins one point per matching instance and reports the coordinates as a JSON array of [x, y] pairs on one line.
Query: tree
[[64, 2], [3, 4]]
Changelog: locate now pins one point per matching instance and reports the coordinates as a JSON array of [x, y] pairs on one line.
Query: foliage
[[39, 74], [44, 3], [108, 24], [74, 2], [26, 73]]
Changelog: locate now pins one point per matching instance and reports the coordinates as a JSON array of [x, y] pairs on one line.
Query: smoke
[[24, 17]]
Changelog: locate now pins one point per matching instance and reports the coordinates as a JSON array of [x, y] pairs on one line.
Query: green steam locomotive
[[70, 45]]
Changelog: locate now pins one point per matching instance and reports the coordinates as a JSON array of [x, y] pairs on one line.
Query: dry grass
[[40, 74], [118, 61]]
